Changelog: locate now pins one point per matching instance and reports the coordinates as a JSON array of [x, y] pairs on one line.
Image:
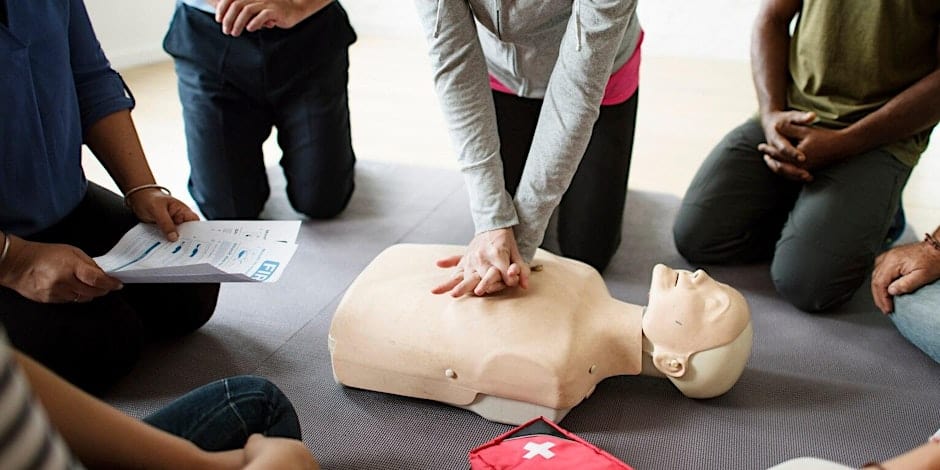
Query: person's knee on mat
[[693, 239], [811, 287], [321, 204]]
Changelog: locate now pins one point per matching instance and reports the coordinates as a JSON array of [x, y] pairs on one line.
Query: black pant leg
[[590, 215], [735, 206], [516, 118], [90, 344]]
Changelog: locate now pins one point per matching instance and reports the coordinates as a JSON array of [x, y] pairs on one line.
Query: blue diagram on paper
[[265, 271], [140, 257]]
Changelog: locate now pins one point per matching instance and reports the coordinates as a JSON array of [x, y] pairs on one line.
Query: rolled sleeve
[[101, 90]]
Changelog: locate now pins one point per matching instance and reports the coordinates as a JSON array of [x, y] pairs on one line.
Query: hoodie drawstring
[[438, 20], [577, 21], [499, 33]]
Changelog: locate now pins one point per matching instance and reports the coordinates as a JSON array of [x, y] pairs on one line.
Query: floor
[[695, 86]]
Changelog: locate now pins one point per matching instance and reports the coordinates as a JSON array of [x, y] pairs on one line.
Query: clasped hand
[[795, 147], [491, 263]]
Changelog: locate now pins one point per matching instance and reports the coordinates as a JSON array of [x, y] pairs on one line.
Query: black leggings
[[590, 215], [93, 344]]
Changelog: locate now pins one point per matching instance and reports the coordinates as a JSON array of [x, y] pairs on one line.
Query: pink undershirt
[[620, 87]]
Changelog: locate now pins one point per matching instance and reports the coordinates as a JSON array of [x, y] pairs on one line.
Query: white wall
[[716, 29], [131, 31]]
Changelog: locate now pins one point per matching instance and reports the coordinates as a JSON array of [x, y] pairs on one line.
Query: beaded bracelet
[[932, 241], [130, 192]]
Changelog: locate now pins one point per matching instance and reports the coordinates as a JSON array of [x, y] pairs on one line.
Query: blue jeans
[[223, 414], [234, 90], [917, 317]]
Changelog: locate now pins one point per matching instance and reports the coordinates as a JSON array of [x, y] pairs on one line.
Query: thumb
[[163, 220], [803, 118], [908, 283], [449, 262]]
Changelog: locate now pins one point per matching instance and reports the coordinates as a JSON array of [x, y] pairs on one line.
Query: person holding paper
[[58, 91]]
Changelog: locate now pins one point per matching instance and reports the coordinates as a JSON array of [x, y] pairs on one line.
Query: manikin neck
[[648, 367], [622, 331]]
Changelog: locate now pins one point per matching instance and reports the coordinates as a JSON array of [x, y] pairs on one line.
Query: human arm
[[461, 81], [903, 270], [594, 35], [279, 453], [911, 111], [113, 139], [237, 16], [51, 272], [103, 437], [923, 457], [108, 130], [770, 50]]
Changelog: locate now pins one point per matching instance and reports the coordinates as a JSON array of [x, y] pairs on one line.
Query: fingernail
[[174, 236]]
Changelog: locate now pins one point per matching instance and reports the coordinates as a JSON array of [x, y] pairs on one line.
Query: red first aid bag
[[543, 445]]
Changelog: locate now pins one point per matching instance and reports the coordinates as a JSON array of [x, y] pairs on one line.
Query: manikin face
[[689, 313]]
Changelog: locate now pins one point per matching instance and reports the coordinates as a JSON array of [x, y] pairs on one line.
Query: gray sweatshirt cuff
[[490, 204]]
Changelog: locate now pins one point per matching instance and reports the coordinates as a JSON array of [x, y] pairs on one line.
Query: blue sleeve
[[101, 91]]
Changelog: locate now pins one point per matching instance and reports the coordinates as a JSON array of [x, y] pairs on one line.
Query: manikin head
[[697, 331]]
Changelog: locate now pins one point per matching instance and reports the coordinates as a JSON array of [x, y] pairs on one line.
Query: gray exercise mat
[[843, 386]]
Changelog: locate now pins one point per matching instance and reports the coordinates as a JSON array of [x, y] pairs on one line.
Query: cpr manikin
[[520, 354]]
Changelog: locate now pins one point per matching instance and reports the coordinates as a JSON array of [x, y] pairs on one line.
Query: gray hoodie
[[562, 51]]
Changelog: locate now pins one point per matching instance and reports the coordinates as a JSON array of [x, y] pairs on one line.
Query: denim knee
[[321, 204], [915, 316], [222, 415], [263, 406]]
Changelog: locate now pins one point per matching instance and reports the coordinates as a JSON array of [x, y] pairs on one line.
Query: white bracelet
[[130, 192], [6, 247]]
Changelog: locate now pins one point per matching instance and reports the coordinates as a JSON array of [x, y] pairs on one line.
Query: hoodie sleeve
[[461, 80], [571, 106]]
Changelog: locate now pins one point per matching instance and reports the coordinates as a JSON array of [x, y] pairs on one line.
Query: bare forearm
[[103, 437], [770, 48], [925, 457], [115, 143], [914, 110]]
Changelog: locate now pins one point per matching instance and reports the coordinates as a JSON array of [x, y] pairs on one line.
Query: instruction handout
[[206, 251]]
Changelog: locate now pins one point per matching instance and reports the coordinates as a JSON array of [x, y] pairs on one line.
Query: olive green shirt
[[850, 57]]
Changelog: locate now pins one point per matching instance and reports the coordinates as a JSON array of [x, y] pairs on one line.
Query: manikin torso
[[518, 354]]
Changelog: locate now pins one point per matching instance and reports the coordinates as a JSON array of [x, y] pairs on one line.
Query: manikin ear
[[671, 364]]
